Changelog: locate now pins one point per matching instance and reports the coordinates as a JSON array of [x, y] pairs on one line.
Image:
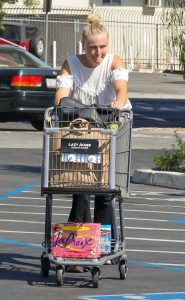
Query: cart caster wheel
[[96, 276], [45, 265], [60, 275], [123, 269]]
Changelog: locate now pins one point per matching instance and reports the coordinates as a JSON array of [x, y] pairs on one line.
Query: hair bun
[[93, 19]]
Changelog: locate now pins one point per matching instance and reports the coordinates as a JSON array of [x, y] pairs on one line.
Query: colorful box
[[76, 240], [105, 239]]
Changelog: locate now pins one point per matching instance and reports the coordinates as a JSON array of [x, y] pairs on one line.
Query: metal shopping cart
[[100, 165]]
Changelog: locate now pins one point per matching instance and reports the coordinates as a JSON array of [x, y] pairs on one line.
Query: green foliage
[[173, 159], [27, 3], [174, 19], [31, 3]]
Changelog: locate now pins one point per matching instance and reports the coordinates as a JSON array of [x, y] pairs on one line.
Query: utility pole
[[46, 8]]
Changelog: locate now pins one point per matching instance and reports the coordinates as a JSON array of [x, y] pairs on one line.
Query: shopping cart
[[78, 169]]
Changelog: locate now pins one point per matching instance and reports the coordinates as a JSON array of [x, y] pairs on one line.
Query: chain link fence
[[139, 38]]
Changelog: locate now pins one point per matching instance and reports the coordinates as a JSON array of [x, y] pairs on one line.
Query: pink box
[[76, 240]]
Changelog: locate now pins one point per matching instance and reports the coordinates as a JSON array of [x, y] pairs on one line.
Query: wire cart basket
[[86, 150]]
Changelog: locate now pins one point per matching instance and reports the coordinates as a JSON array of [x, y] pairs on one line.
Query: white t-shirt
[[92, 85]]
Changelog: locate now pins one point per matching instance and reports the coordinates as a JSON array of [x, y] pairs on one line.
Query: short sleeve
[[120, 73], [65, 81]]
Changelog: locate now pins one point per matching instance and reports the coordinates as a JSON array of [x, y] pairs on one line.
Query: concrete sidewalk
[[163, 86]]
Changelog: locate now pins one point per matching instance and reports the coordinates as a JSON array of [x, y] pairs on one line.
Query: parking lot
[[154, 224], [154, 228]]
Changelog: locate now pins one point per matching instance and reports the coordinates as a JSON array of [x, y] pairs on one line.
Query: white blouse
[[92, 85]]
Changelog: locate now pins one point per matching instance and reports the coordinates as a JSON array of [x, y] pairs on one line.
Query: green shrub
[[173, 159]]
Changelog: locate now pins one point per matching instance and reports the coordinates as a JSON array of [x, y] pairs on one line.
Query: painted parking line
[[131, 262], [16, 191], [156, 265], [178, 221], [156, 296], [17, 243]]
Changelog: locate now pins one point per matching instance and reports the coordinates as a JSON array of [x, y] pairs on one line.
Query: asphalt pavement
[[153, 221], [158, 86]]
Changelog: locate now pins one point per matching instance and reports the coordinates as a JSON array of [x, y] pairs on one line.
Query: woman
[[94, 77]]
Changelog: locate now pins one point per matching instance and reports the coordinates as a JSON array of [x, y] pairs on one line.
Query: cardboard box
[[105, 239], [76, 240]]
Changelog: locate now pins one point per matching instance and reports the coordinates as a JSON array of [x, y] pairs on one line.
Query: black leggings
[[80, 211]]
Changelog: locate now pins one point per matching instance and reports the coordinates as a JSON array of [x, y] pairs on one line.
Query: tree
[[174, 18], [27, 3]]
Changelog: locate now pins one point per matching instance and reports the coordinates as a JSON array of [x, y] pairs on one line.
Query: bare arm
[[62, 92], [121, 86]]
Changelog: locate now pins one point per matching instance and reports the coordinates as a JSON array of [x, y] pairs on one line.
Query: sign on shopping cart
[[80, 150]]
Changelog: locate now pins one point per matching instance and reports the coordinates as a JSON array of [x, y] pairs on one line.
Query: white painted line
[[29, 213], [150, 220], [154, 240], [127, 238], [132, 228], [69, 207], [155, 211], [70, 199], [42, 199], [26, 198], [25, 232], [126, 227], [156, 229], [32, 191], [155, 251], [157, 199], [21, 221], [167, 264], [31, 205], [157, 193], [153, 205], [57, 214]]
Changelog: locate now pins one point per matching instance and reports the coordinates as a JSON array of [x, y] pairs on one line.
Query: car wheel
[[37, 123], [37, 46]]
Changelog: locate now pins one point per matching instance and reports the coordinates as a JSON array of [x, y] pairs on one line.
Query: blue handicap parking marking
[[178, 221], [17, 243], [16, 191], [156, 296]]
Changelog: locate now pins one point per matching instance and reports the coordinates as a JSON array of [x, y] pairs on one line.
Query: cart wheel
[[96, 276], [123, 269], [60, 275], [45, 265]]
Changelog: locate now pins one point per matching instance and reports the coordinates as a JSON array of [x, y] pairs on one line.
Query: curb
[[159, 178]]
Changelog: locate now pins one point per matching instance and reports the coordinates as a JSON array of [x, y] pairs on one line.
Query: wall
[[128, 3]]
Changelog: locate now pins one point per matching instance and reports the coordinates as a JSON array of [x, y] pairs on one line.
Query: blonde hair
[[94, 26]]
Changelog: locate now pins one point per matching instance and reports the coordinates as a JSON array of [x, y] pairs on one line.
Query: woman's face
[[95, 47]]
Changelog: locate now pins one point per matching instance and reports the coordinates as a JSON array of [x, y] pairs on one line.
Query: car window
[[14, 57], [7, 60], [10, 32]]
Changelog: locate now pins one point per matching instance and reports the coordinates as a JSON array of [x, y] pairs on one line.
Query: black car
[[27, 85], [24, 35]]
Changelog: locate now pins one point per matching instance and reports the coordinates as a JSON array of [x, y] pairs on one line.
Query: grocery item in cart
[[79, 158], [105, 240], [76, 240]]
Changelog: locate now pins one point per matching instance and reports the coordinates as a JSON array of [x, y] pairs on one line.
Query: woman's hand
[[117, 105]]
